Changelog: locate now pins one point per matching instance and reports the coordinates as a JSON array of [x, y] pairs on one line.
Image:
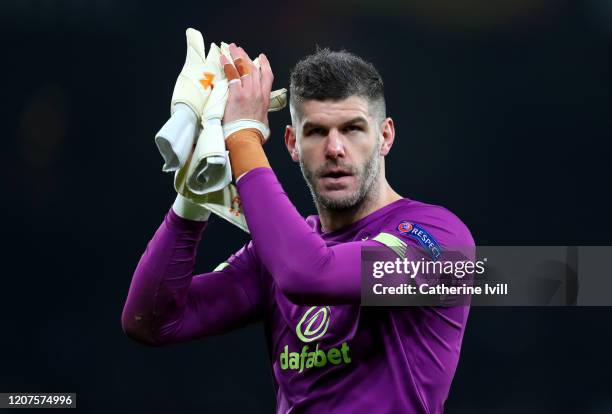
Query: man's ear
[[387, 133], [290, 142]]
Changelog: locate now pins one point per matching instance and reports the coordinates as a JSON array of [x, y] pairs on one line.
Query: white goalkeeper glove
[[176, 138], [202, 169]]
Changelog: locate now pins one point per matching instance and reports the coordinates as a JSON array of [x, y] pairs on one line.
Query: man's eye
[[353, 128], [315, 131]]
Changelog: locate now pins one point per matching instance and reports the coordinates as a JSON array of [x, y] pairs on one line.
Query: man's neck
[[332, 220]]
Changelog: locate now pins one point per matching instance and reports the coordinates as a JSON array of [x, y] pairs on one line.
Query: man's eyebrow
[[309, 125], [356, 120]]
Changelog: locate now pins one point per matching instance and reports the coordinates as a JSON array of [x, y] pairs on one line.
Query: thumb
[[195, 42]]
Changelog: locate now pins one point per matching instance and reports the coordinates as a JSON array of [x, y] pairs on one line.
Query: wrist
[[232, 127], [245, 151]]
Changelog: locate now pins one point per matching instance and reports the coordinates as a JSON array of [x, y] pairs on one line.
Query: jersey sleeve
[[306, 270], [167, 303]]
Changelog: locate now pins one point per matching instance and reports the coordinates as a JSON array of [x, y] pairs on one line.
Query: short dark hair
[[336, 75]]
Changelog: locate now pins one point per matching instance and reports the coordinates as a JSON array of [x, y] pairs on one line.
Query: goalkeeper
[[301, 277]]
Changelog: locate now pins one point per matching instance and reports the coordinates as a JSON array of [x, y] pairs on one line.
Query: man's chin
[[337, 200]]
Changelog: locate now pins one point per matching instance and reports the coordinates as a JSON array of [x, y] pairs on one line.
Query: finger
[[267, 77], [243, 65], [241, 60], [254, 71], [247, 60], [230, 71]]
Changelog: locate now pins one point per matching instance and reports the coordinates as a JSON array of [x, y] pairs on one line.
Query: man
[[302, 277]]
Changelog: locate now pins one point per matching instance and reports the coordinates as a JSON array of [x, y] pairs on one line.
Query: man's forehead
[[334, 111]]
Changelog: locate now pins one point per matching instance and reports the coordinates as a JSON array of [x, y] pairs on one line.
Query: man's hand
[[249, 87]]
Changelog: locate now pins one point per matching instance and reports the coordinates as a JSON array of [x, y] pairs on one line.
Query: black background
[[502, 112]]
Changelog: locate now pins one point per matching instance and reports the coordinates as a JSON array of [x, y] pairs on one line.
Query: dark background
[[502, 112]]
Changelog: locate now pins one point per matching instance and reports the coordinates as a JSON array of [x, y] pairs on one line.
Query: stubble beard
[[367, 178]]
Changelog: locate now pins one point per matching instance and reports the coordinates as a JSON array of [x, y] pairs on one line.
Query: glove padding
[[208, 170], [176, 138]]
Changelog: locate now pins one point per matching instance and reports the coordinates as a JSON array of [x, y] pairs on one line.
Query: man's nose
[[334, 146]]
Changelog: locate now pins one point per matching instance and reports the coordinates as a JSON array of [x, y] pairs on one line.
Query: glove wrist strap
[[187, 209]]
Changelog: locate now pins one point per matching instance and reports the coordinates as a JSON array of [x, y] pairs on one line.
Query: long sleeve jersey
[[328, 354]]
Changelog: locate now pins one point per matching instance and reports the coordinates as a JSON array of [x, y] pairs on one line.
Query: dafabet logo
[[313, 324]]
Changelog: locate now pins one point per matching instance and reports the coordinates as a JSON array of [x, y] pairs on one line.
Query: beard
[[366, 177]]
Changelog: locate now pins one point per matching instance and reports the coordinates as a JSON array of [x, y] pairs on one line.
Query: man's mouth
[[336, 173], [336, 178]]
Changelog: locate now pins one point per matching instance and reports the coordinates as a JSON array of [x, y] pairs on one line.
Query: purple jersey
[[328, 354]]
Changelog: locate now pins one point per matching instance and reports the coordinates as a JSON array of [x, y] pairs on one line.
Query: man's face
[[337, 144]]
